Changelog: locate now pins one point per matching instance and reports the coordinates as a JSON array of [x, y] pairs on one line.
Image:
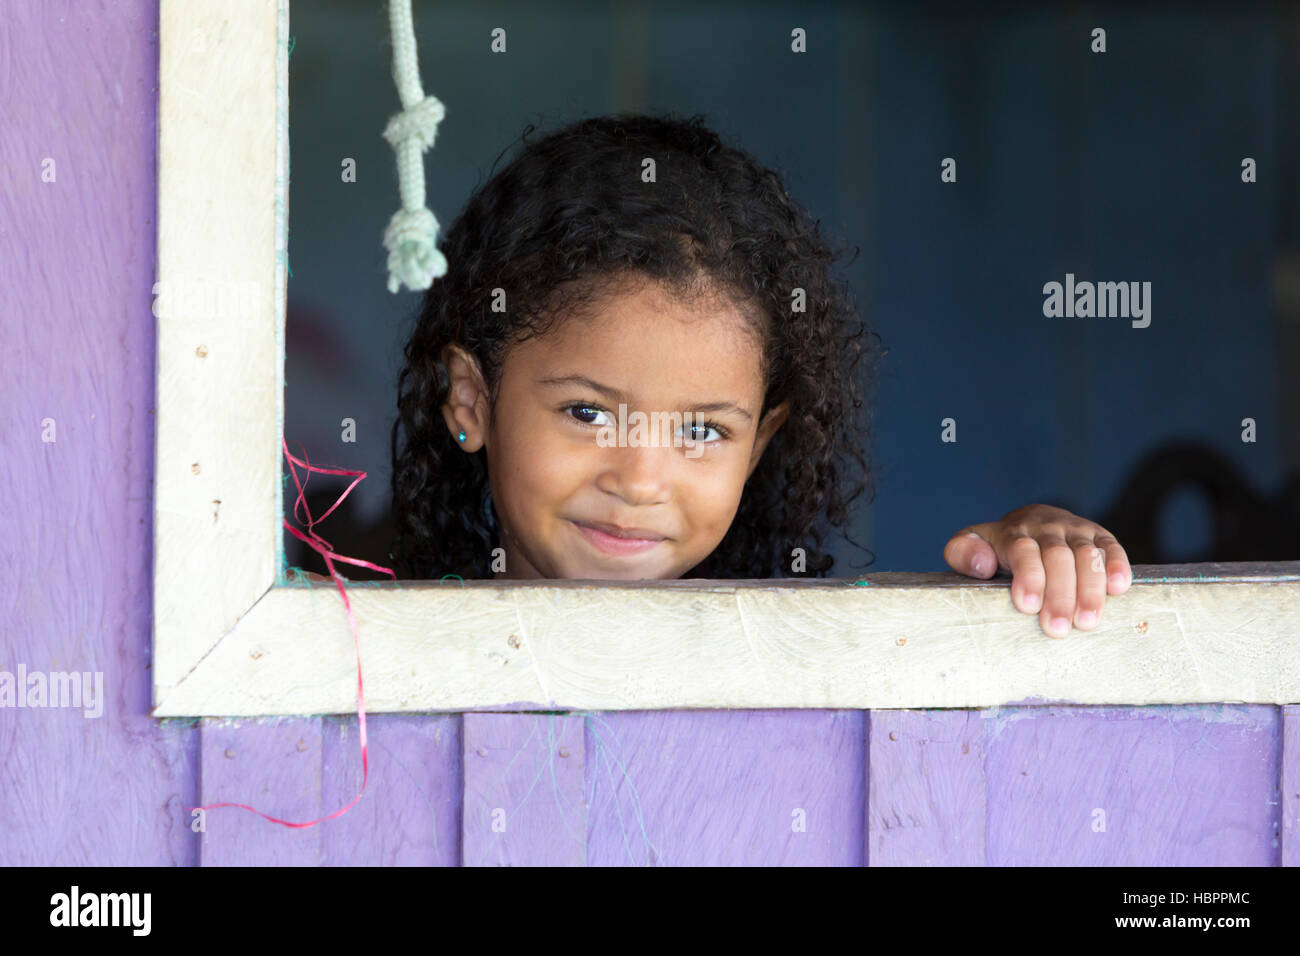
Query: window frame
[[233, 639]]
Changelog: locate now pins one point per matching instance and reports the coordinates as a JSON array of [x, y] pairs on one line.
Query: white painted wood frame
[[231, 639]]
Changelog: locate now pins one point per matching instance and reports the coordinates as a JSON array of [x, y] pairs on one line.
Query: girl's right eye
[[587, 414]]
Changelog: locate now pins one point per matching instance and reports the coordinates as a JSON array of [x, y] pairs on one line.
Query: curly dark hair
[[564, 221]]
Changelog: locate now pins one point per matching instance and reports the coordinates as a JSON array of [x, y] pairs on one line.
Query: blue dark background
[[1115, 166]]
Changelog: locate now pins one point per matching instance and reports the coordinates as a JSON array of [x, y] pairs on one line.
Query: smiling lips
[[611, 539]]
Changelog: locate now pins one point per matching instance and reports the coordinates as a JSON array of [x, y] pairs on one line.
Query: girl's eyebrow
[[583, 380], [619, 396]]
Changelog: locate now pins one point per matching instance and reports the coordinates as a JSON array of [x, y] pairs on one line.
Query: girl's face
[[581, 491]]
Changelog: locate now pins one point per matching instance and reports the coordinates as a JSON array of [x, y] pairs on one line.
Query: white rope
[[413, 258]]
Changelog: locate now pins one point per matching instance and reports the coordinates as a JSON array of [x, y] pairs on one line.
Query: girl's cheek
[[558, 465], [711, 495]]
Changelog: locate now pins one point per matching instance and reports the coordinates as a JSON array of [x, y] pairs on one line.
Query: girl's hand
[[1062, 566]]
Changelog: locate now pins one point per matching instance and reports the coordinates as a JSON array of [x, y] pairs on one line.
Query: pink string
[[326, 551]]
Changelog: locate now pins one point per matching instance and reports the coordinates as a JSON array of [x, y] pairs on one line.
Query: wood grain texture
[[220, 364], [713, 788], [1173, 786], [524, 803], [411, 812], [719, 644], [926, 805], [274, 767], [76, 266], [302, 769], [1288, 796]]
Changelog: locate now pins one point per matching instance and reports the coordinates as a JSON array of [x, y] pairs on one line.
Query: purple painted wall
[[1024, 785]]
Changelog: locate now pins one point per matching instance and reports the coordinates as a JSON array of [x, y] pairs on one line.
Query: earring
[[460, 437]]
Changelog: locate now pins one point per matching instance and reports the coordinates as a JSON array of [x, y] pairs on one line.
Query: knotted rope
[[413, 258]]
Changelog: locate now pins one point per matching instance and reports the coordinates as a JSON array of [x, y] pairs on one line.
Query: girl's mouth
[[611, 539]]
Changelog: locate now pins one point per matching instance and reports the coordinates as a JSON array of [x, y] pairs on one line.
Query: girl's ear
[[466, 410], [773, 420]]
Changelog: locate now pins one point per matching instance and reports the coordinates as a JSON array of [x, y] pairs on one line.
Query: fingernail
[[1087, 618], [978, 564], [1059, 626], [1031, 602], [1117, 579]]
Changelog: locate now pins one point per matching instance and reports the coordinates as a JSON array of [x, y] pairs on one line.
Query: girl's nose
[[637, 475]]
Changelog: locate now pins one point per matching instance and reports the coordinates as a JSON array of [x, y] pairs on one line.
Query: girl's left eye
[[700, 433], [586, 414]]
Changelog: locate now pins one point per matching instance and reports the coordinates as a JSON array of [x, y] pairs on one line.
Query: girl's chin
[[634, 568], [598, 573]]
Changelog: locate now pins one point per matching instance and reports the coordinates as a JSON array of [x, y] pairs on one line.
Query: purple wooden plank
[[410, 814], [926, 788], [524, 790], [272, 765], [1134, 786], [78, 791], [76, 267], [1288, 825], [726, 787]]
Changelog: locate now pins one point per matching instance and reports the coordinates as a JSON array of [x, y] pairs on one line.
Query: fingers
[[1060, 566], [1044, 580], [1028, 578], [1066, 581], [1119, 574], [968, 553], [1090, 588]]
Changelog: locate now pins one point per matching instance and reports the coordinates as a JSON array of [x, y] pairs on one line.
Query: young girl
[[631, 266]]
